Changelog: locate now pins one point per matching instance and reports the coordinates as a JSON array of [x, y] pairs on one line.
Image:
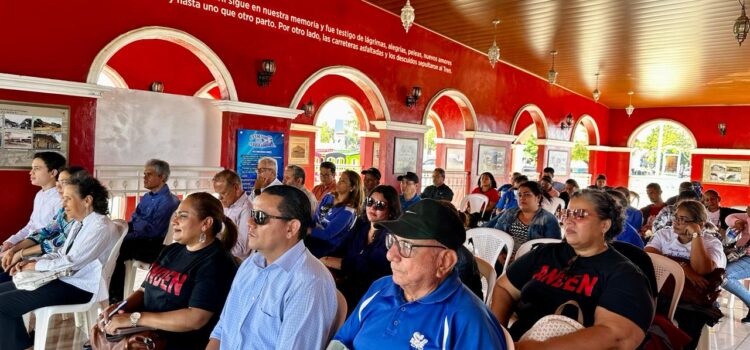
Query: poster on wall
[[405, 155], [491, 159], [558, 160], [299, 150], [376, 154], [253, 145], [454, 159], [29, 128], [726, 172]]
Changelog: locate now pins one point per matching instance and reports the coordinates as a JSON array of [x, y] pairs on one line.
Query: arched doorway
[[585, 133], [340, 120], [660, 153], [526, 153]]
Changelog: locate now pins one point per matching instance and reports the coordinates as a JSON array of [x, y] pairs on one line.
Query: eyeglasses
[[578, 214], [260, 170], [261, 217], [377, 205], [405, 247], [682, 220]]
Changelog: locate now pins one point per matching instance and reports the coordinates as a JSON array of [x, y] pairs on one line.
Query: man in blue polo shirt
[[423, 305], [409, 191]]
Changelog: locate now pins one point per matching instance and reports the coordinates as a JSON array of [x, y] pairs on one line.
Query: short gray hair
[[296, 171], [161, 167], [275, 166]]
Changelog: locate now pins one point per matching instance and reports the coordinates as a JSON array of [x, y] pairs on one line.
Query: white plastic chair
[[90, 309], [663, 267], [132, 266], [526, 247], [552, 205], [477, 203], [487, 243], [489, 277], [341, 310], [509, 345]]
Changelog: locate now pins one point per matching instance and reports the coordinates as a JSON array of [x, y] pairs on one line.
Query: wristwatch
[[134, 317], [695, 234]]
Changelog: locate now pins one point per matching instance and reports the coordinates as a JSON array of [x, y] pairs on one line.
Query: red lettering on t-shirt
[[166, 279], [579, 284], [570, 284], [177, 283], [542, 272], [587, 285]]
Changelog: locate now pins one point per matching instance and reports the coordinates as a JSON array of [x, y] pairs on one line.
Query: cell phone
[[119, 306]]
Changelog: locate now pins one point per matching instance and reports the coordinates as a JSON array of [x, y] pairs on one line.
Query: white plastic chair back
[[509, 345], [526, 247], [477, 203], [341, 310], [132, 266], [663, 267], [487, 243], [489, 277], [552, 205]]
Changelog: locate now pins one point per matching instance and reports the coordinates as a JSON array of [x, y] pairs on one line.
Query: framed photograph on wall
[[27, 128], [376, 154], [299, 150], [454, 159], [558, 160], [491, 159], [405, 155], [726, 172]]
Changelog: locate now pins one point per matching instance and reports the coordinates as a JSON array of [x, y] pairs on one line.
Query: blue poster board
[[253, 145]]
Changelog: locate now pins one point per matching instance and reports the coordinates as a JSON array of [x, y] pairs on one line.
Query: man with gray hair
[[265, 175], [237, 206], [148, 225], [295, 176]]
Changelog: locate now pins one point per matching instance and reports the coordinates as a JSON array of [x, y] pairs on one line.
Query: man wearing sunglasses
[[282, 296], [424, 304]]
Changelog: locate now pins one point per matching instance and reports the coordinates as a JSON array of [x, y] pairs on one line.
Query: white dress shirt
[[275, 182], [46, 204], [239, 212], [86, 250]]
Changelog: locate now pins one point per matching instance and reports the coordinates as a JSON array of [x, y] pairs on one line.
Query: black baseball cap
[[372, 171], [428, 219], [409, 176]]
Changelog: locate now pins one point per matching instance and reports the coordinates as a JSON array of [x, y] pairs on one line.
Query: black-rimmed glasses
[[377, 205], [261, 217], [682, 220], [405, 247]]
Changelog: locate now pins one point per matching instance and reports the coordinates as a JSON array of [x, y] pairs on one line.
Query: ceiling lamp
[[494, 52], [407, 16], [552, 74], [630, 108], [741, 25], [596, 94]]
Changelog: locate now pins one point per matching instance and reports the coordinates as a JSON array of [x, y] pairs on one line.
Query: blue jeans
[[736, 271]]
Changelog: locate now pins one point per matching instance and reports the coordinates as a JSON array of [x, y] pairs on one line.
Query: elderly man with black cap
[[423, 305], [371, 179], [409, 189]]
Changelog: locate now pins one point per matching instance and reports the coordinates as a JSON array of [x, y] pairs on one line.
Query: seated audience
[[409, 189], [371, 179], [508, 186], [438, 190], [201, 270], [86, 250], [335, 216], [571, 187], [44, 170], [552, 204], [613, 294], [466, 265], [283, 297], [701, 254], [628, 234], [364, 258], [487, 186], [148, 225], [236, 206], [295, 176], [717, 215], [600, 183], [424, 304], [546, 183], [649, 212], [558, 186], [740, 269], [664, 218], [633, 216], [48, 239], [266, 175], [684, 186], [327, 181], [509, 200]]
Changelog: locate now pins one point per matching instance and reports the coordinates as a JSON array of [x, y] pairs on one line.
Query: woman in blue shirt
[[364, 259], [629, 234], [335, 215]]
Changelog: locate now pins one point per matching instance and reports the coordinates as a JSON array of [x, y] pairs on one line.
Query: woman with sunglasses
[[699, 253], [364, 258], [336, 215], [487, 186], [613, 294], [184, 292]]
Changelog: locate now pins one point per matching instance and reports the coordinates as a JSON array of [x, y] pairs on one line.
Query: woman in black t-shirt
[[187, 285], [613, 294]]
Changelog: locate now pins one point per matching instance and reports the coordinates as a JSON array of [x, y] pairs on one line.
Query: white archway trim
[[721, 151], [580, 121], [455, 142], [51, 86], [487, 136], [524, 135], [203, 92], [400, 126], [304, 127], [370, 134], [554, 143], [356, 76], [461, 100], [354, 105], [436, 120], [256, 109], [198, 48], [634, 134], [115, 77], [531, 108], [610, 149]]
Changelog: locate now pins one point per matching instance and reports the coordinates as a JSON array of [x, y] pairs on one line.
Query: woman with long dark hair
[[336, 215], [487, 186]]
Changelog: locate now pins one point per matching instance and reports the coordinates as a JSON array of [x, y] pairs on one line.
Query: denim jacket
[[543, 225]]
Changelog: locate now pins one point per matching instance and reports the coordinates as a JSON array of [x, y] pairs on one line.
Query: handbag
[[134, 338], [31, 280], [556, 325]]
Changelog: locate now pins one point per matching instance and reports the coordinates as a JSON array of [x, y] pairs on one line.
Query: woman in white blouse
[[85, 252]]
